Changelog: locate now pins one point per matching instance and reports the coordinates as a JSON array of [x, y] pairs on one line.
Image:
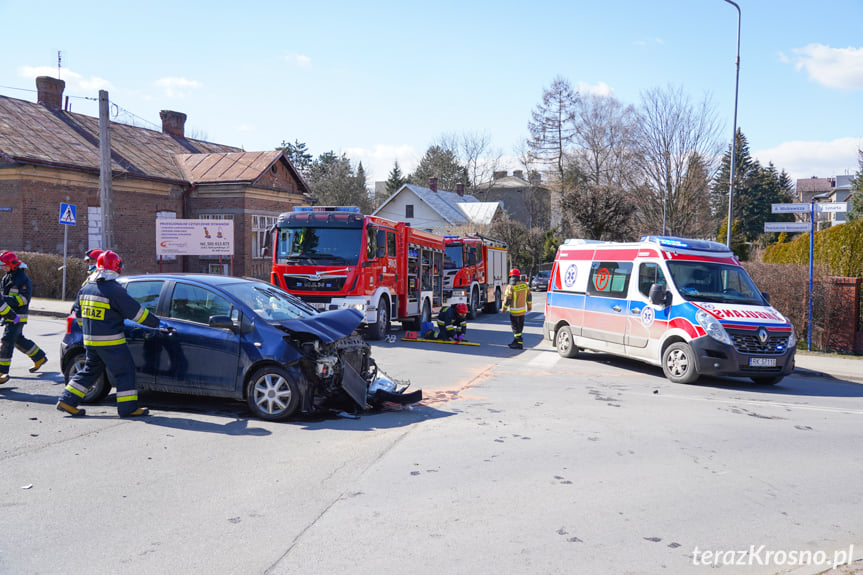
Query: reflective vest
[[517, 298], [104, 304]]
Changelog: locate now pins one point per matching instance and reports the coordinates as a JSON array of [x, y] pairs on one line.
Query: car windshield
[[269, 302], [324, 245], [714, 282], [543, 275]]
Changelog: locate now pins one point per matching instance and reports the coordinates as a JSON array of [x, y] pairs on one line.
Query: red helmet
[[461, 308], [92, 254], [514, 272], [109, 261], [10, 259]]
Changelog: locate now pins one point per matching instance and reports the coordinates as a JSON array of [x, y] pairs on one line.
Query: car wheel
[[473, 306], [272, 394], [100, 389], [767, 380], [564, 343], [678, 363], [379, 329]]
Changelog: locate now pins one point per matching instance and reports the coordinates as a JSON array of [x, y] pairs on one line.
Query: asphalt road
[[516, 462]]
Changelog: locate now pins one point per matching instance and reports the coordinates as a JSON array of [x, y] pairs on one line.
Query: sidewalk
[[844, 367]]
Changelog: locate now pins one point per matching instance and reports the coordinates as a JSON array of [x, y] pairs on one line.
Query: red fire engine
[[335, 257], [475, 272]]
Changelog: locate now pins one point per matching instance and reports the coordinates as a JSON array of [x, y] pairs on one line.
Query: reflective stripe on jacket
[[103, 304], [517, 298]]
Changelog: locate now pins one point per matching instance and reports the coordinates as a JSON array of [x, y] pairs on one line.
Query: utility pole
[[105, 193], [734, 135]]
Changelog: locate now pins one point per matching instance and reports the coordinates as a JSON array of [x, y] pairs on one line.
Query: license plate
[[762, 362], [320, 306]]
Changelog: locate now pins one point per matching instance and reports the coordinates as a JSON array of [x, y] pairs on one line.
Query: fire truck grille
[[322, 284], [748, 342]]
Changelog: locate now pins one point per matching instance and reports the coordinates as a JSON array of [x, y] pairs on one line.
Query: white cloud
[[300, 60], [598, 89], [177, 87], [806, 159], [840, 68], [76, 84], [379, 161]]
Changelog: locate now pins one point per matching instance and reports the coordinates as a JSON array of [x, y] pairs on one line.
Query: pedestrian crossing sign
[[67, 214]]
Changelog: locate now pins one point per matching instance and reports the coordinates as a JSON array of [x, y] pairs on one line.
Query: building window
[[214, 217], [260, 225], [409, 211]]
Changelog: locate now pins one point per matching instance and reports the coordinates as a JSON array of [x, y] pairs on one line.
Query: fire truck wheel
[[493, 306], [564, 344], [473, 306], [379, 329], [678, 363]]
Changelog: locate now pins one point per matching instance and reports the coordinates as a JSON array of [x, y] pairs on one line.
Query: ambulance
[[686, 305]]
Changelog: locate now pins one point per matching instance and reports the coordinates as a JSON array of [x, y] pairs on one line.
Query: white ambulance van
[[687, 305]]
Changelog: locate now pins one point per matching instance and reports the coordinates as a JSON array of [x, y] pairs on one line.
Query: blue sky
[[382, 81]]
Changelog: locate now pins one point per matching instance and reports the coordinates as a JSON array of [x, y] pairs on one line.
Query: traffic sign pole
[[811, 258], [67, 218]]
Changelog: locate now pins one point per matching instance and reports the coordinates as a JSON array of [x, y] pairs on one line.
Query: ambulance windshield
[[714, 282], [319, 246]]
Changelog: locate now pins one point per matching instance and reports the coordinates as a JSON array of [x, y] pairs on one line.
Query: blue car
[[247, 340]]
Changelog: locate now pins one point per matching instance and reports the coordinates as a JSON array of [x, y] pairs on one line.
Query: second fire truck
[[475, 272]]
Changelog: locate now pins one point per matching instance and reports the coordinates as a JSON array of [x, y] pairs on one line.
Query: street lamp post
[[734, 133]]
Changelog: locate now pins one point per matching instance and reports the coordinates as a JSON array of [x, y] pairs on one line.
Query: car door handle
[[167, 330], [634, 310], [616, 308]]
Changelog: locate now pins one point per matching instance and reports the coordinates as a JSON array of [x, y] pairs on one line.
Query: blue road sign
[[67, 214]]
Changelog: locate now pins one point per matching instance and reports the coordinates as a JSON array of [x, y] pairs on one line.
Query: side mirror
[[222, 322], [380, 253], [766, 296], [659, 295]]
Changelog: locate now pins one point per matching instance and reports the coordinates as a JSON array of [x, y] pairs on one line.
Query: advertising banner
[[194, 237]]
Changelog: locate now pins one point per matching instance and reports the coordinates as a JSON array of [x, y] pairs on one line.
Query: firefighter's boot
[[38, 363], [70, 409]]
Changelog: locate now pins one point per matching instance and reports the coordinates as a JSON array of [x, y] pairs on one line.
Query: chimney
[[518, 174], [498, 175], [50, 92], [459, 189], [173, 123], [433, 184]]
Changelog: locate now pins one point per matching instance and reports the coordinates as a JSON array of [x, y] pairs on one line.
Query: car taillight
[[70, 319]]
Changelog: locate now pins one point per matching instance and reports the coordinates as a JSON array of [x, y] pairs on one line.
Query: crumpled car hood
[[328, 326]]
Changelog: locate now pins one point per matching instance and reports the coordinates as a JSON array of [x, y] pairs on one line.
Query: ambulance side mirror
[[766, 296], [659, 295]]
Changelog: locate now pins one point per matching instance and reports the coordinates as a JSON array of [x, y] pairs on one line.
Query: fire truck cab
[[335, 257]]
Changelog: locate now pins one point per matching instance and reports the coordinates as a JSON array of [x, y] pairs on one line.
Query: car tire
[[767, 380], [272, 394], [100, 389], [678, 363], [564, 343], [379, 329]]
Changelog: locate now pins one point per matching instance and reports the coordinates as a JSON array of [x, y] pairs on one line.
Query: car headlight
[[712, 326], [792, 339]]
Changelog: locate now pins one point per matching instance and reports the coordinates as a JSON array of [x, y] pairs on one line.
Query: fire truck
[[335, 257], [475, 272]]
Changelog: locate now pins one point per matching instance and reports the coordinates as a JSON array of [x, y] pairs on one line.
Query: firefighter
[[452, 322], [518, 301], [104, 304], [90, 258], [16, 289]]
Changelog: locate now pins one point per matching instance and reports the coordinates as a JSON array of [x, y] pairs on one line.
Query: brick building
[[50, 156]]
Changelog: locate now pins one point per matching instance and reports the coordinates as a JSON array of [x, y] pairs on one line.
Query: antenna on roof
[[59, 61]]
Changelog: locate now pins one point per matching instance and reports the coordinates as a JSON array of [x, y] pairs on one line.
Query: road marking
[[544, 359]]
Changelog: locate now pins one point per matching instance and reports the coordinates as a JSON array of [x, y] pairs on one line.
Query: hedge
[[46, 273], [839, 249]]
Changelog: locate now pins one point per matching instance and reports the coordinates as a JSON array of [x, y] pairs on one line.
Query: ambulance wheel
[[564, 343], [766, 380], [678, 363], [100, 389], [272, 394], [379, 329], [473, 304]]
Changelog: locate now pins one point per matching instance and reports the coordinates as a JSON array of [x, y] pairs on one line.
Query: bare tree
[[676, 155], [535, 200], [605, 139], [475, 153], [600, 212]]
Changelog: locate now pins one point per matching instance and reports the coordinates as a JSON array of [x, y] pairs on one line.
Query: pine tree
[[395, 180]]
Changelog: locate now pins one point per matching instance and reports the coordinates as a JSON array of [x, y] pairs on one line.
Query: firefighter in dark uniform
[[518, 301], [452, 322], [104, 304], [16, 289]]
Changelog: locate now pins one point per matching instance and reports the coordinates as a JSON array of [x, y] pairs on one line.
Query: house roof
[[31, 133], [445, 204], [814, 185], [480, 212]]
